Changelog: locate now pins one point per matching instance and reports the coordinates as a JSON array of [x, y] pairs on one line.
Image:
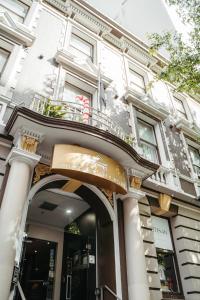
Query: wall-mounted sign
[[161, 231], [89, 166]]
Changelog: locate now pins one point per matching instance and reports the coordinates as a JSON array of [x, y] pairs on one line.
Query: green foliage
[[52, 110], [183, 69]]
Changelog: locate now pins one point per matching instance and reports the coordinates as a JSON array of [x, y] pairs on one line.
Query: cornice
[[147, 103], [82, 16], [107, 31], [17, 32]]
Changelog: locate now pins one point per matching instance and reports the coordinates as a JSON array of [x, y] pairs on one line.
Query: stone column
[[22, 164], [138, 288]]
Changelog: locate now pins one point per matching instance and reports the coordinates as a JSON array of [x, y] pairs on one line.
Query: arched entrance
[[70, 247]]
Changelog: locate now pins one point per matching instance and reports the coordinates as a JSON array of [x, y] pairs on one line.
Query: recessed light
[[35, 251], [68, 211]]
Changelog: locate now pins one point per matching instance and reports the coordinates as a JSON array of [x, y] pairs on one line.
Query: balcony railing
[[77, 112]]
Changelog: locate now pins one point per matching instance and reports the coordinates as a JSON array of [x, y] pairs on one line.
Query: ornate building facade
[[100, 169]]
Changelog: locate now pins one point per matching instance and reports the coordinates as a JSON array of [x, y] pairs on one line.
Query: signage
[[161, 231], [89, 166]]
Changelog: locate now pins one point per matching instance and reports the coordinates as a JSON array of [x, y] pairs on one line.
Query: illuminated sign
[[89, 166]]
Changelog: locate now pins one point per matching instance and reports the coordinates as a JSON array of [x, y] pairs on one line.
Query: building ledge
[[189, 128], [67, 59], [147, 103], [16, 31]]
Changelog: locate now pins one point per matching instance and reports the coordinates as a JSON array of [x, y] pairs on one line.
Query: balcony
[[76, 112]]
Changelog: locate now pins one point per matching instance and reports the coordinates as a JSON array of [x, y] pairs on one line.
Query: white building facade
[[100, 169]]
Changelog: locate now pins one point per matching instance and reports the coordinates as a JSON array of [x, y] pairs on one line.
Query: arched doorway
[[69, 251]]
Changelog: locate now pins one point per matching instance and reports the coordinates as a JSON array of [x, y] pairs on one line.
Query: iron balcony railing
[[77, 112]]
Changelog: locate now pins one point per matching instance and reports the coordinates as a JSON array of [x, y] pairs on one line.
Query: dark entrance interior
[[79, 259], [88, 246], [38, 269]]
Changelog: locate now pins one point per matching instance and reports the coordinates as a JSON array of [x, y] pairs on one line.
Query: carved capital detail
[[135, 182], [27, 140]]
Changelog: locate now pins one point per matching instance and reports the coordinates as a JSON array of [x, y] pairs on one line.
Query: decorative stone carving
[[109, 195], [135, 182], [41, 170], [29, 143]]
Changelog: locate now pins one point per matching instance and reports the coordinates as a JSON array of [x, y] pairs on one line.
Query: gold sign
[[89, 166]]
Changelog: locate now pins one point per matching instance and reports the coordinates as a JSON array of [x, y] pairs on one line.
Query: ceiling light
[[68, 211]]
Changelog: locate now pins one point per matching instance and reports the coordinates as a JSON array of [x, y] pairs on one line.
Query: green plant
[[53, 110], [183, 69]]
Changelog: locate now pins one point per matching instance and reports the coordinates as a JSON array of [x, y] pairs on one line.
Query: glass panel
[[195, 156], [180, 108], [15, 8], [3, 58], [137, 81], [72, 94], [149, 152], [81, 47], [146, 132], [167, 272]]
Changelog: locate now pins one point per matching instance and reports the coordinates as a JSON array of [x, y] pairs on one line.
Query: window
[[167, 267], [147, 141], [4, 54], [180, 108], [17, 9], [81, 48], [195, 157], [72, 94], [137, 81], [79, 104]]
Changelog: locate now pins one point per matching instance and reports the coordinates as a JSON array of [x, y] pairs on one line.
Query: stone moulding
[[147, 104], [18, 32], [89, 19]]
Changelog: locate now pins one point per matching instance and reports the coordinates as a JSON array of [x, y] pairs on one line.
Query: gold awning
[[90, 167]]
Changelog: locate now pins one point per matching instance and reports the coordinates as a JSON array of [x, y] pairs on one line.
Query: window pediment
[[147, 104], [16, 31], [78, 65], [189, 128]]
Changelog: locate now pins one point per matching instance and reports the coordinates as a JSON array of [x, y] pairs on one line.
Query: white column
[[15, 195], [138, 288]]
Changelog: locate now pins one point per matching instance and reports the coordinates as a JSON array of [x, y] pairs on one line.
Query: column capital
[[16, 154], [136, 194]]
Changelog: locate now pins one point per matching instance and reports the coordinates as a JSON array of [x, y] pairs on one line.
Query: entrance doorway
[[69, 250]]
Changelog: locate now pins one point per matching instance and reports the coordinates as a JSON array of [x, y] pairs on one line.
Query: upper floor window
[[17, 9], [137, 81], [81, 47], [4, 54], [195, 157], [180, 108], [75, 95], [147, 141]]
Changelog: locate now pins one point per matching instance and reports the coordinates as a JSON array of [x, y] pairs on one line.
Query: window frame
[[26, 3], [132, 84], [85, 92], [7, 58], [193, 164], [154, 146], [85, 37], [179, 112], [84, 42], [166, 294]]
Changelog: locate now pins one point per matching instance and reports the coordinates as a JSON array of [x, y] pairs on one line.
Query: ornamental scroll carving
[[41, 170], [109, 195]]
